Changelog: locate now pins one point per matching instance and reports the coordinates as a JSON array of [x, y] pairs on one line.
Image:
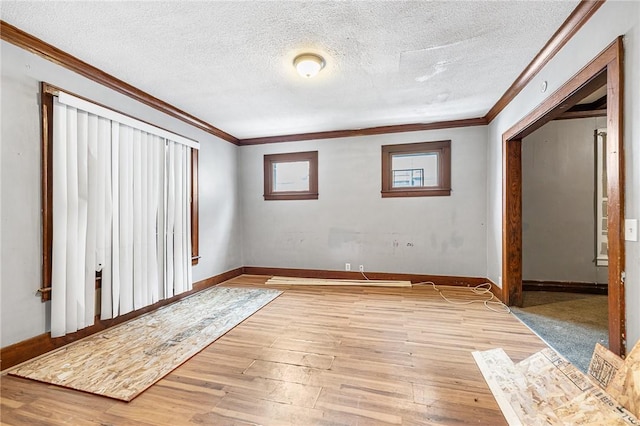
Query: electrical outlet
[[347, 266], [361, 268], [631, 229]]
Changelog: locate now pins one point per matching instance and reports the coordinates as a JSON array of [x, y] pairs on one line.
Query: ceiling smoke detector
[[308, 64]]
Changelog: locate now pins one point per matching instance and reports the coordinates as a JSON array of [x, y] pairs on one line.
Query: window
[[130, 174], [601, 201], [292, 176], [416, 169]]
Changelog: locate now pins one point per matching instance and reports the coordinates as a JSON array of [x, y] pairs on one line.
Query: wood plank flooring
[[314, 356]]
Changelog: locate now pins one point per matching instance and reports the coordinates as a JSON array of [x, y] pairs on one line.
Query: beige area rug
[[123, 361]]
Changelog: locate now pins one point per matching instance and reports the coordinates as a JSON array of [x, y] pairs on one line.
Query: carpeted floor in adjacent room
[[570, 323]]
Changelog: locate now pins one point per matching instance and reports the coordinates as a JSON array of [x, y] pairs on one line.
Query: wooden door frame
[[607, 68]]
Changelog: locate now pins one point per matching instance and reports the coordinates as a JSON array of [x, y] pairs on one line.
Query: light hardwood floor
[[314, 356]]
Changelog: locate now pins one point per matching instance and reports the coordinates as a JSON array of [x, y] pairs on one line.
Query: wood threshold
[[580, 15], [26, 41], [565, 286], [27, 349]]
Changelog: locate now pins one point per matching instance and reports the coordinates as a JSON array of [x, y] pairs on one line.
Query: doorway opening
[[564, 231], [605, 70]]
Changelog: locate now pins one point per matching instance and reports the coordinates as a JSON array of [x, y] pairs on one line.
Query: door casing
[[606, 68]]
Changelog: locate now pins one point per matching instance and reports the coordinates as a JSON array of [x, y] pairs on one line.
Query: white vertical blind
[[74, 231], [100, 111], [138, 285], [104, 224], [92, 214], [178, 222], [111, 306], [121, 205], [60, 233]]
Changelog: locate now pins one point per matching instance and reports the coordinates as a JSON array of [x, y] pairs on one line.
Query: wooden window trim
[[270, 159], [46, 105], [195, 209], [442, 148], [47, 92]]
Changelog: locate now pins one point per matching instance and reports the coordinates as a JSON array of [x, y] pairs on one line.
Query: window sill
[[292, 196], [437, 192]]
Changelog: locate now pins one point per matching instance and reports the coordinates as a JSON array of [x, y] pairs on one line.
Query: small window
[[416, 169], [602, 201], [291, 176]]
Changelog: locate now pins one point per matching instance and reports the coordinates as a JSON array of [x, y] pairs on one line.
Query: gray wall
[[23, 314], [611, 20], [350, 222], [558, 219], [457, 235]]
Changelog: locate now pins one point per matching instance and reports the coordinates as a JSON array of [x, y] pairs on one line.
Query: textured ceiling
[[230, 63]]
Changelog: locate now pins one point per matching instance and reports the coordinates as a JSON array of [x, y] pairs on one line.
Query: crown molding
[[580, 15], [26, 41], [381, 130]]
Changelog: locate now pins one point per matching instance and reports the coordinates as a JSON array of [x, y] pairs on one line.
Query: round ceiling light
[[308, 64]]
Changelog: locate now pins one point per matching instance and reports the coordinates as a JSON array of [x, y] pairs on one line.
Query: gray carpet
[[570, 323]]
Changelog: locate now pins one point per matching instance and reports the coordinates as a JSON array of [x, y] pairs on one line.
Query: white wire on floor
[[479, 290]]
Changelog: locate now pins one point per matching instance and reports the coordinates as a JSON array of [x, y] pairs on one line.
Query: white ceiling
[[230, 63], [595, 95]]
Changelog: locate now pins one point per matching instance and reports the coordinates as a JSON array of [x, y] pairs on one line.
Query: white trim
[[76, 102]]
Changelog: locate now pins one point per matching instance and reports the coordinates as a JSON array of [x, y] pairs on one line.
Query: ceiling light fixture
[[308, 64]]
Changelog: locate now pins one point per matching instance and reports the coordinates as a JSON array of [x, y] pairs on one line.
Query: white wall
[[350, 222], [558, 190], [23, 314], [612, 19]]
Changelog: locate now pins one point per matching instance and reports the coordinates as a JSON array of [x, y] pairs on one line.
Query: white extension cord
[[479, 290]]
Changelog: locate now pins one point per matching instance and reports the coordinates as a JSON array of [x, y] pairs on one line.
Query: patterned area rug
[[123, 361]]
